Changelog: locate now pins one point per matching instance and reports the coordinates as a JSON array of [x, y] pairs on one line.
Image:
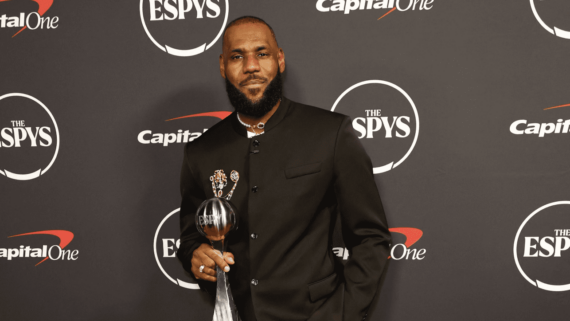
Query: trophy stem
[[225, 308]]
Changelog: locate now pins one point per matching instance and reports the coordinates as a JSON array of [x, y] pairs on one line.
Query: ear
[[222, 66], [281, 60]]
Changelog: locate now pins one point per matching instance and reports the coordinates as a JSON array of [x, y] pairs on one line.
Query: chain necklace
[[260, 125]]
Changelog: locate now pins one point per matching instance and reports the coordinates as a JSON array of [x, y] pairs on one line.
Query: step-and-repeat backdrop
[[463, 106]]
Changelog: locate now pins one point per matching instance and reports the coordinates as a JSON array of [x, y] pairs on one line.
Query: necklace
[[260, 125]]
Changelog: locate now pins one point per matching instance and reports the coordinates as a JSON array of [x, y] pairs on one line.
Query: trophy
[[215, 218]]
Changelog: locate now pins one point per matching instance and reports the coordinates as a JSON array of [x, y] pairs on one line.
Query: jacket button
[[254, 189], [253, 236], [255, 143], [254, 282]]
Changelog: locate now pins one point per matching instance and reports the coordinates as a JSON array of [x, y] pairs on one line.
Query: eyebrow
[[239, 50]]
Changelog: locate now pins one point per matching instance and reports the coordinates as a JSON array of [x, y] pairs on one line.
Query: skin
[[249, 60]]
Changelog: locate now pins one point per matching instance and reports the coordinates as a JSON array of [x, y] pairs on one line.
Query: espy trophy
[[215, 218]]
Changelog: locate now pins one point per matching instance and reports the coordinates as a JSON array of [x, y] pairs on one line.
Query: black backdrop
[[444, 87]]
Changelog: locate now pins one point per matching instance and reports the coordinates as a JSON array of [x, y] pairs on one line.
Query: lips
[[253, 80]]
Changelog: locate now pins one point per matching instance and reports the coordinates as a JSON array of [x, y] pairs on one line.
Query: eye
[[236, 57], [263, 54]]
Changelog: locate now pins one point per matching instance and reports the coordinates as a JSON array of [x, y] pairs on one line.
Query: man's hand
[[207, 256]]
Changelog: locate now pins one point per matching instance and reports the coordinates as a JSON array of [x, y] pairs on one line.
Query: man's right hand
[[207, 256]]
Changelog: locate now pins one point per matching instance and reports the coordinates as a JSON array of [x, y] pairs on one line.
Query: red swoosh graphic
[[387, 13], [567, 105], [44, 5], [217, 114], [65, 238], [412, 234]]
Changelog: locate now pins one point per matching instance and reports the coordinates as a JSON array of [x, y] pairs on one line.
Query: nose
[[251, 64]]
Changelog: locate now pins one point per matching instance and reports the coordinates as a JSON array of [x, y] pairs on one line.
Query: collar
[[271, 122]]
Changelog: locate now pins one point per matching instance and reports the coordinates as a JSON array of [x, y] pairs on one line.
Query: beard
[[257, 109]]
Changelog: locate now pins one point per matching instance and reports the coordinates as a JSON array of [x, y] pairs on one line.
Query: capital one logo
[[181, 136], [398, 251], [553, 30], [184, 28], [541, 247], [32, 20], [525, 127], [29, 137], [385, 119], [346, 6], [166, 243], [52, 252]]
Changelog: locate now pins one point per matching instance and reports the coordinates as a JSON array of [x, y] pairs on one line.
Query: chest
[[270, 177]]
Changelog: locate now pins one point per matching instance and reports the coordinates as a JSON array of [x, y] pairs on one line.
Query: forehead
[[248, 35]]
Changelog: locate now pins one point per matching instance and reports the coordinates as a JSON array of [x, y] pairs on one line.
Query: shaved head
[[244, 20]]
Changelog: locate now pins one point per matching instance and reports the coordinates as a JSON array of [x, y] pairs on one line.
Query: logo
[[402, 251], [166, 243], [181, 136], [29, 139], [553, 30], [386, 120], [541, 245], [184, 28], [398, 251], [52, 252], [346, 6], [523, 127], [32, 20]]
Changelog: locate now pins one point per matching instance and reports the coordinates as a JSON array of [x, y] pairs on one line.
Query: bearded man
[[293, 169]]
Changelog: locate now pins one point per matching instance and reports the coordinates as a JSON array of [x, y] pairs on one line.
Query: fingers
[[218, 258], [199, 258], [207, 256], [203, 258], [229, 257], [207, 274]]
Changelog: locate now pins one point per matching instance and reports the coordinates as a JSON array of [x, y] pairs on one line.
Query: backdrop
[[462, 106]]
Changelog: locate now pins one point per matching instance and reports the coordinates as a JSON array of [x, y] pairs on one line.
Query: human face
[[250, 59]]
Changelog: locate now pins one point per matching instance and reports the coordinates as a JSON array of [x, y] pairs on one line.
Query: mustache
[[253, 77]]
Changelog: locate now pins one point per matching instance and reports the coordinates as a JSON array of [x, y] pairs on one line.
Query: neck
[[254, 121]]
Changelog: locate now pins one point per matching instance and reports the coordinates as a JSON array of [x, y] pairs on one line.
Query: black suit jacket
[[293, 179]]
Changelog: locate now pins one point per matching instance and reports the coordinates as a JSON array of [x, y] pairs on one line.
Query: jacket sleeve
[[364, 227], [190, 239]]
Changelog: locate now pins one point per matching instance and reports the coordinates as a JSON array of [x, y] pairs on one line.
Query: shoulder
[[213, 136], [315, 116]]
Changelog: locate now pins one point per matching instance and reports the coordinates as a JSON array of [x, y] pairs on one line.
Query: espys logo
[[52, 252], [523, 127], [398, 251], [347, 6], [386, 119], [29, 137], [550, 8], [541, 245], [184, 28], [166, 243], [181, 136], [32, 20]]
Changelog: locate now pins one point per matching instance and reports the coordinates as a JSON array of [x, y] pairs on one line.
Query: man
[[288, 169]]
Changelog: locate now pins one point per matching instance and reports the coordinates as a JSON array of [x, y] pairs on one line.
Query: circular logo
[[188, 26], [542, 250], [385, 119], [28, 139], [553, 30], [166, 243]]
